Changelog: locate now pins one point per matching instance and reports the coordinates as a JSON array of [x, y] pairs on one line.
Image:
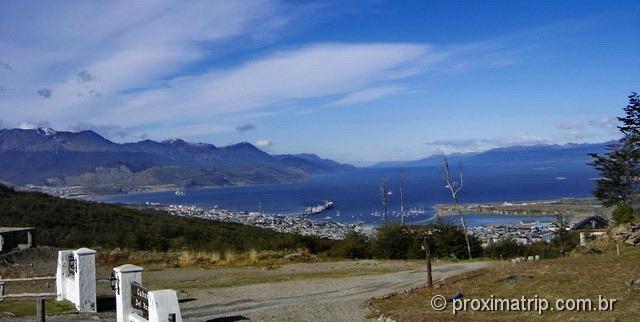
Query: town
[[526, 232], [281, 223]]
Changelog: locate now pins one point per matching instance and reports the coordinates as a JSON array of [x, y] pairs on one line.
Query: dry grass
[[578, 276], [230, 256], [201, 259]]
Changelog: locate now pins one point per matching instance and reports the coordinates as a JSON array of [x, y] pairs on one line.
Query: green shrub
[[449, 242], [505, 249], [392, 241], [354, 245], [623, 213]]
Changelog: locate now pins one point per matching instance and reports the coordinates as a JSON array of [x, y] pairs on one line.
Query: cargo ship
[[323, 206]]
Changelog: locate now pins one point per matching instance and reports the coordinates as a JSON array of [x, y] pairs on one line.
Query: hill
[[60, 158], [72, 223], [541, 153]]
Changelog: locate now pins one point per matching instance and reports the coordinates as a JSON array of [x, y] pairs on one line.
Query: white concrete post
[[162, 304], [64, 280], [76, 281], [85, 279], [125, 275]]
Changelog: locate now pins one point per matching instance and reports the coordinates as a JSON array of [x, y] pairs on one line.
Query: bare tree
[[402, 195], [385, 194], [455, 187]]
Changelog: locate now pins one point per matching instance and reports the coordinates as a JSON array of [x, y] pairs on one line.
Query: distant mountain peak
[[46, 131], [46, 156], [245, 145], [175, 141], [538, 153]]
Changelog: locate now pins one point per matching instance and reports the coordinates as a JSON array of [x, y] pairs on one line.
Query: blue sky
[[353, 81]]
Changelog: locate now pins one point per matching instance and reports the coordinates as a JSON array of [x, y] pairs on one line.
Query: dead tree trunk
[[402, 195], [385, 194], [455, 187]]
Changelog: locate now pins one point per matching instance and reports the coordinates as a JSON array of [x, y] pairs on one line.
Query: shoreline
[[292, 223], [574, 207]]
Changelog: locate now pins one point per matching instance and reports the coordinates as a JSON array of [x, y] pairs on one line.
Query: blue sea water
[[355, 193]]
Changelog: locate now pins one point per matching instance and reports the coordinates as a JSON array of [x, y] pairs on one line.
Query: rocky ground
[[627, 233]]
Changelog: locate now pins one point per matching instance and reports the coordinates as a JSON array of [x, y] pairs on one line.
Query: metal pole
[[40, 312]]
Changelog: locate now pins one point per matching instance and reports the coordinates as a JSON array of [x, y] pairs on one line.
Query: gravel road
[[339, 299], [309, 299]]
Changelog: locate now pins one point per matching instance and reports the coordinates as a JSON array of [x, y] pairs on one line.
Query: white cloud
[[280, 78], [124, 46], [483, 144], [368, 95], [264, 143], [151, 64], [34, 125], [112, 132], [587, 128], [245, 127]]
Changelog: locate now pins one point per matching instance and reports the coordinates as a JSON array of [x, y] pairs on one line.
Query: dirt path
[[329, 291], [335, 299]]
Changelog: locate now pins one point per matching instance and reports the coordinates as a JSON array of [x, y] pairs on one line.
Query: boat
[[323, 206], [179, 192]]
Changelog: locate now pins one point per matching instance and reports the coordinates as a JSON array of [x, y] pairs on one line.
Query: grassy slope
[[28, 308], [71, 223], [578, 276]]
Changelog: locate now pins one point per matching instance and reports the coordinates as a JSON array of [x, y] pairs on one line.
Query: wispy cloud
[[65, 45], [245, 128], [45, 92], [4, 66], [96, 63], [601, 123], [586, 128], [112, 132], [85, 76], [29, 125], [483, 144], [264, 144], [279, 78], [369, 94]]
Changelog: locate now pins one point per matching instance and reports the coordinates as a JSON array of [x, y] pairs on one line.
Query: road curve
[[338, 299]]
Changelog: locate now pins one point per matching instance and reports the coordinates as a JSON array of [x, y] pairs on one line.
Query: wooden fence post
[[40, 313], [427, 249]]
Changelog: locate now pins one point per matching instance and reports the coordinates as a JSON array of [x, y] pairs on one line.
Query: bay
[[355, 193]]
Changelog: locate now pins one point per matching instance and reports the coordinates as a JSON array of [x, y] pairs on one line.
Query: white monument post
[[125, 275], [76, 278], [137, 304], [164, 306]]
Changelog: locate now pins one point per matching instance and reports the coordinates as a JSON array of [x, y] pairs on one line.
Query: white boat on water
[[326, 204], [179, 192]]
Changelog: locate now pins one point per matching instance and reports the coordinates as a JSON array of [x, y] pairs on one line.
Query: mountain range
[[541, 153], [60, 158]]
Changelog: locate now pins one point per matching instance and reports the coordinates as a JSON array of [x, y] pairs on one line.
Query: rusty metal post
[[40, 312]]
